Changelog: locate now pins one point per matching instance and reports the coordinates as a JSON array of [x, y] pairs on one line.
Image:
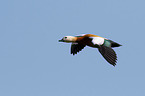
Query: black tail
[[109, 54], [114, 44]]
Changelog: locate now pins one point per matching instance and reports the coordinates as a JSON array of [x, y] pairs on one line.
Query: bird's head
[[68, 39]]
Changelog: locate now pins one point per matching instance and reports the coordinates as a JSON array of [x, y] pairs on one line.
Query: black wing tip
[[109, 55], [73, 53], [111, 62], [114, 64]]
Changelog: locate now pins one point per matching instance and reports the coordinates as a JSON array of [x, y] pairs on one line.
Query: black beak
[[61, 40]]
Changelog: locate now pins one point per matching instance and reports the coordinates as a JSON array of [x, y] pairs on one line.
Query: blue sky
[[34, 63]]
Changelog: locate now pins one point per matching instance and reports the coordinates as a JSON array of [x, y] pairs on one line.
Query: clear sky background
[[34, 63]]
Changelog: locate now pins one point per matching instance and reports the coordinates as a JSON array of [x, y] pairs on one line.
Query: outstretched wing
[[76, 47], [109, 54]]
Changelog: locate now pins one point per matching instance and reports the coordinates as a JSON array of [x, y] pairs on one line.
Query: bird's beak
[[61, 40]]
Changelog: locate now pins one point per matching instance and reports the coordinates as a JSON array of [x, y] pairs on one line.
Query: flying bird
[[104, 45]]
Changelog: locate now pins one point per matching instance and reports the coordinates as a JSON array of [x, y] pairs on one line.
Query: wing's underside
[[75, 48], [109, 54]]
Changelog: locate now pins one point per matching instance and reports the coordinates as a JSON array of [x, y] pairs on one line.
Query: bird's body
[[104, 45]]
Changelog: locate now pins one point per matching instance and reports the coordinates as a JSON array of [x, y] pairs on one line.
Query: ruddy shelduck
[[104, 45]]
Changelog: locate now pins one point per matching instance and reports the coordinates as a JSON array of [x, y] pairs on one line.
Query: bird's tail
[[114, 44]]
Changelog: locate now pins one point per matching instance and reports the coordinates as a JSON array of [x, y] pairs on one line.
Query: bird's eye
[[65, 37]]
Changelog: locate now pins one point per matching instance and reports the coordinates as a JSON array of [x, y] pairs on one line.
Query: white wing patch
[[81, 35], [97, 40]]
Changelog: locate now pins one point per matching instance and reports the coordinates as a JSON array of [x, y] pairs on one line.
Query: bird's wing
[[109, 54], [80, 35], [76, 47], [97, 40]]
